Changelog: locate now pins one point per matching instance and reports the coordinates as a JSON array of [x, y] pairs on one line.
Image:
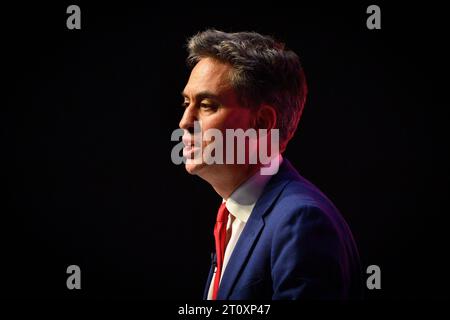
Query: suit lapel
[[252, 230]]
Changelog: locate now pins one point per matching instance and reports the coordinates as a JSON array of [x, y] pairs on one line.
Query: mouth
[[189, 151], [192, 146], [188, 142], [189, 147]]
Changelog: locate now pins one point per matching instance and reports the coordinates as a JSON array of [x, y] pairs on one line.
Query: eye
[[185, 104], [208, 106]]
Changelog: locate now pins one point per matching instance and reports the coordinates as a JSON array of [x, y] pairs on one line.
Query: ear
[[266, 117]]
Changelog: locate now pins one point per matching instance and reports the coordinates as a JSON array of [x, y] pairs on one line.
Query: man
[[277, 237]]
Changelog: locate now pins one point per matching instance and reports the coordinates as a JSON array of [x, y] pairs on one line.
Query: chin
[[194, 169]]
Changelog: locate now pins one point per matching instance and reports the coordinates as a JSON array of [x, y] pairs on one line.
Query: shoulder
[[297, 192], [302, 208], [298, 205], [300, 196]]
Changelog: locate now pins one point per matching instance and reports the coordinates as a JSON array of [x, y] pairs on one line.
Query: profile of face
[[210, 100]]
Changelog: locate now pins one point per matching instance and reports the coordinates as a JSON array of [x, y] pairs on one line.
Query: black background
[[85, 143]]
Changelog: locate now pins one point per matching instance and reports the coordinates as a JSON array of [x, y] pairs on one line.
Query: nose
[[188, 118]]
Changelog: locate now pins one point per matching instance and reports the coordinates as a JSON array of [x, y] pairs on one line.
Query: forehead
[[209, 75]]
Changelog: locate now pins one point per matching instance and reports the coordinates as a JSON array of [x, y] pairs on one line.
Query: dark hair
[[264, 71]]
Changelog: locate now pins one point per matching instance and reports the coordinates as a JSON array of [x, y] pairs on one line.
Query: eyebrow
[[203, 95]]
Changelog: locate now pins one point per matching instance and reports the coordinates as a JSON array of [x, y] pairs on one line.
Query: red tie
[[220, 236]]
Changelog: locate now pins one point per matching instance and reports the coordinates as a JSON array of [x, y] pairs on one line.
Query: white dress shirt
[[240, 205]]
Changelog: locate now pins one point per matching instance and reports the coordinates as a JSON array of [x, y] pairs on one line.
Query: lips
[[188, 142], [189, 148], [190, 151]]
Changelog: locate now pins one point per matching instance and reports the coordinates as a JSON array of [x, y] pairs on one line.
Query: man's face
[[210, 100]]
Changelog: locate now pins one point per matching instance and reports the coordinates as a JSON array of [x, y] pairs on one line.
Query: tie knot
[[222, 214]]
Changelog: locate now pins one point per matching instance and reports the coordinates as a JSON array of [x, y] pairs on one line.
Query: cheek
[[241, 118], [232, 119]]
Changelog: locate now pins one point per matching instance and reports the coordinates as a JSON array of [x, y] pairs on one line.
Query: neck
[[226, 183]]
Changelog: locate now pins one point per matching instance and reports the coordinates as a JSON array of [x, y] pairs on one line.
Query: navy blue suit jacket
[[295, 245]]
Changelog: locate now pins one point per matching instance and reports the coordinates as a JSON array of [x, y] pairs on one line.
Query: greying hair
[[264, 72]]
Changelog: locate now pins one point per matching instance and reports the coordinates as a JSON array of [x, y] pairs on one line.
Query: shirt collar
[[242, 201]]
